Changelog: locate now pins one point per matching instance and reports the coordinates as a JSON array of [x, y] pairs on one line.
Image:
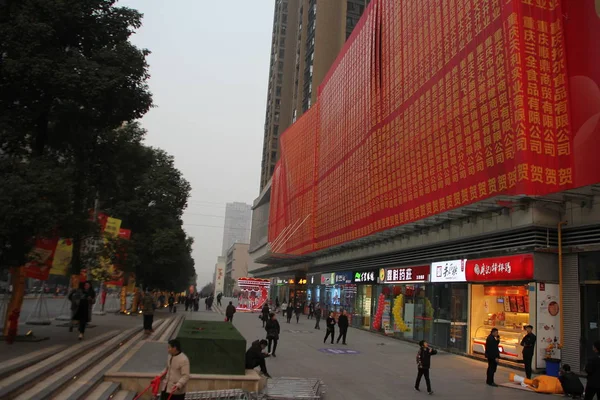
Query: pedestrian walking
[[290, 311], [298, 311], [276, 303], [273, 330], [311, 310], [255, 356], [265, 314], [176, 373], [196, 301], [343, 325], [171, 302], [570, 382], [528, 344], [330, 328], [148, 306], [284, 306], [492, 353], [424, 363], [82, 299], [219, 297], [229, 311], [318, 315], [592, 369]]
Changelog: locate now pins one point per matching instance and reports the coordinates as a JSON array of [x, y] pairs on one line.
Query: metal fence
[[276, 389]]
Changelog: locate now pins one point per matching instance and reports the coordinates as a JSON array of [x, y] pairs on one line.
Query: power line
[[214, 226], [205, 215]]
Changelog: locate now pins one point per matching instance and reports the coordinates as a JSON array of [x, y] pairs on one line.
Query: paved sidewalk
[[382, 368]]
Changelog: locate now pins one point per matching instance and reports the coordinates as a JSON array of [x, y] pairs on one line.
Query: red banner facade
[[434, 105]]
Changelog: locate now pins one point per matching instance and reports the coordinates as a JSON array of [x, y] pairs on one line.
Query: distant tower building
[[238, 221]]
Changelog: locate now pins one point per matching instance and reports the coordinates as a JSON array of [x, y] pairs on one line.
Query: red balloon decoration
[[379, 314]]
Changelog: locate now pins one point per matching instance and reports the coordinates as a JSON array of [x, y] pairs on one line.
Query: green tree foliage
[[70, 80], [68, 76]]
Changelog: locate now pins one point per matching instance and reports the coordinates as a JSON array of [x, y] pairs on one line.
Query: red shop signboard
[[509, 268]]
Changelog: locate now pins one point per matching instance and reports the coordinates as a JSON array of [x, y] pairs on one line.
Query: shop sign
[[509, 268], [365, 277], [327, 279], [407, 275], [343, 277], [449, 271]]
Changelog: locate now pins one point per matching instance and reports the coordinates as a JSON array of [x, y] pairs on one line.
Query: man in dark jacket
[[592, 368], [255, 357], [528, 344], [330, 328], [229, 311], [570, 382], [424, 363], [492, 353], [343, 325]]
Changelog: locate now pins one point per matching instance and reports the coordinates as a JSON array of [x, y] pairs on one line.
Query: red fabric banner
[[432, 105], [42, 257]]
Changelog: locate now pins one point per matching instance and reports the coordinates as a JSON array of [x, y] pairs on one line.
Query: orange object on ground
[[541, 384]]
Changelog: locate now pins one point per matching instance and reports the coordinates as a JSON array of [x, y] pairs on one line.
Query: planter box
[[213, 347]]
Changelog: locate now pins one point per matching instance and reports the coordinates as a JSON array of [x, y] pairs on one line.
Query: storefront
[[505, 295], [363, 282], [450, 300], [403, 303]]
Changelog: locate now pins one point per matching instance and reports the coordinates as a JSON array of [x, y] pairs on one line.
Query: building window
[[278, 91], [281, 53], [275, 130], [273, 155], [283, 30], [280, 65], [276, 117], [284, 19]]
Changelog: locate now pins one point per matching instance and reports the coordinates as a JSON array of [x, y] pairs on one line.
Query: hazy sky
[[209, 67]]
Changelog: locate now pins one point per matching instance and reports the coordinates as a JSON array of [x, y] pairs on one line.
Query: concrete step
[[105, 391], [17, 364], [12, 384], [124, 395], [52, 383], [171, 329], [85, 383]]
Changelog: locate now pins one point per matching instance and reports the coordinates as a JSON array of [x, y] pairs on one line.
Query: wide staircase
[[77, 372]]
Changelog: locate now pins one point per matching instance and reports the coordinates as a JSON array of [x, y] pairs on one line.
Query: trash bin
[[552, 367]]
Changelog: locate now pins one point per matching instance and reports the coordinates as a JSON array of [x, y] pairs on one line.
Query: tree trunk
[[18, 277]]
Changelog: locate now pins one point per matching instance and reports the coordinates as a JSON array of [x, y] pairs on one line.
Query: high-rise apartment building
[[238, 222], [307, 37]]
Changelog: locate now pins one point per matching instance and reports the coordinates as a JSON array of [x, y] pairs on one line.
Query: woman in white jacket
[[177, 373]]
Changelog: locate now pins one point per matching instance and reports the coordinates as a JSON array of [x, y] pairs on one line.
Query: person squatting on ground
[[229, 311], [528, 344], [330, 328], [343, 325], [82, 299], [148, 307], [255, 356], [492, 353], [424, 363], [570, 382], [177, 373], [273, 330]]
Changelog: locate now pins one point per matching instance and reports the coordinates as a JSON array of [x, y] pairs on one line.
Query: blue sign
[[343, 277], [339, 351]]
